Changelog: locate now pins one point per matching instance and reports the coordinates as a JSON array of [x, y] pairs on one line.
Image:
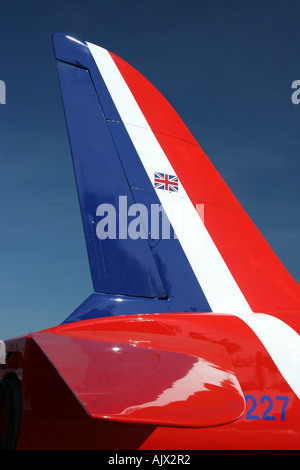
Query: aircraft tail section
[[161, 226]]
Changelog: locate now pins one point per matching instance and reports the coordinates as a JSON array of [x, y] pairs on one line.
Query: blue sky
[[226, 67]]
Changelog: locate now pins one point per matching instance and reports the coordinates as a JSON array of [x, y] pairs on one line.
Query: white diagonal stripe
[[213, 275]]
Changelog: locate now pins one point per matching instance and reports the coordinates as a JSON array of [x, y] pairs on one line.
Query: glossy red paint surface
[[52, 413], [146, 378]]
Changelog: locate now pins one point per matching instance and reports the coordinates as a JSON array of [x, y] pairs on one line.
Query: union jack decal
[[166, 182]]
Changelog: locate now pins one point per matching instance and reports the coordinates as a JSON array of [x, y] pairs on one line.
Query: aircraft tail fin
[[134, 160]]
